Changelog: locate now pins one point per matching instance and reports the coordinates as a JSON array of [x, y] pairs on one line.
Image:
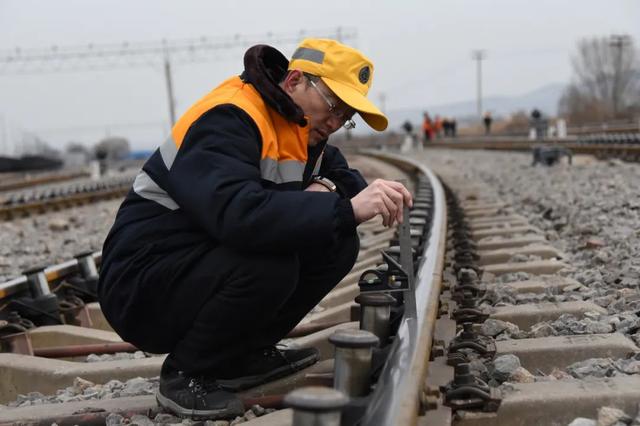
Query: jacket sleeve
[[216, 180], [335, 167]]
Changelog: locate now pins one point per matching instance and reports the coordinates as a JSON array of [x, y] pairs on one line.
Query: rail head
[[396, 399], [53, 273]]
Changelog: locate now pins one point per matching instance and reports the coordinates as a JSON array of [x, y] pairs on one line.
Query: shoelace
[[200, 384], [199, 388], [277, 350]]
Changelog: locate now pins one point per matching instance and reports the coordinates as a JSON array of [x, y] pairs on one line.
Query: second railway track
[[39, 200]]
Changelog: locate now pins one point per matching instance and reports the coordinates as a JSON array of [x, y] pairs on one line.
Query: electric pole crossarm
[[165, 53], [24, 60]]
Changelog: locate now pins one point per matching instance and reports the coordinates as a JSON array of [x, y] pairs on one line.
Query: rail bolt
[[87, 265], [37, 281], [315, 405], [375, 311], [354, 350]]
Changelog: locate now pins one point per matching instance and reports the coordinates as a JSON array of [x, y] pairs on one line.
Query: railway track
[[12, 181], [430, 340], [39, 200], [624, 147]]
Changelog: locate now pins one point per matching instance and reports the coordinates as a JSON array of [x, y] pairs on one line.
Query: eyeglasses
[[348, 123]]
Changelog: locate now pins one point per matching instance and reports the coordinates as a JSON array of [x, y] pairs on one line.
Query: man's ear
[[293, 79]]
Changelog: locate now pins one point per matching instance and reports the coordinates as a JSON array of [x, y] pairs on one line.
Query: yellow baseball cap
[[346, 71]]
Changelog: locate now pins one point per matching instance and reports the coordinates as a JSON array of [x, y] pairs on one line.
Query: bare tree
[[112, 148], [606, 80]]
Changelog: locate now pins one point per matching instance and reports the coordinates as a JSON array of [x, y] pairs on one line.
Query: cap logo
[[364, 74]]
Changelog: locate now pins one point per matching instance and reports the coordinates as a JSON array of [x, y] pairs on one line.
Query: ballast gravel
[[609, 416], [84, 390], [53, 238], [590, 212]]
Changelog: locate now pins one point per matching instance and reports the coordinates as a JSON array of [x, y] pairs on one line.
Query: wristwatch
[[325, 182]]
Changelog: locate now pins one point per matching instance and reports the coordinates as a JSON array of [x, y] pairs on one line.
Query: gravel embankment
[[54, 237]]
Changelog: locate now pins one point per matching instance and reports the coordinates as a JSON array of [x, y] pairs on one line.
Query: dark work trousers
[[259, 298]]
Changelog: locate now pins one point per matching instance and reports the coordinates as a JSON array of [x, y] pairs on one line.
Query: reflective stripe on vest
[[145, 187]]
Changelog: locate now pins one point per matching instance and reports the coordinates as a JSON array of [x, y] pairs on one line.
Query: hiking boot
[[196, 397], [268, 364]]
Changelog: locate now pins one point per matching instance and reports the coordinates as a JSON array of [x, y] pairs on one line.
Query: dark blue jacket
[[219, 197]]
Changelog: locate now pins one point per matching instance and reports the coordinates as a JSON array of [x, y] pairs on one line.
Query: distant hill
[[544, 98]]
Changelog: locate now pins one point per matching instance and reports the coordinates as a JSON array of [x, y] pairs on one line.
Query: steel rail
[[35, 180], [396, 398], [53, 273], [513, 144], [12, 211]]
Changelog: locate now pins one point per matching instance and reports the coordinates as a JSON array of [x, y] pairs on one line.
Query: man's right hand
[[383, 197]]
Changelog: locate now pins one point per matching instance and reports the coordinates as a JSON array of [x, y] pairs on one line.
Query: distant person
[[427, 128], [446, 127], [453, 124], [102, 155], [538, 124], [437, 126], [407, 127], [487, 122], [409, 138], [536, 114]]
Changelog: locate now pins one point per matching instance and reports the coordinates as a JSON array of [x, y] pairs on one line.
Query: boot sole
[[247, 382], [221, 413]]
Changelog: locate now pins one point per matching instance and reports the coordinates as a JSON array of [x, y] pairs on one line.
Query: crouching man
[[241, 222]]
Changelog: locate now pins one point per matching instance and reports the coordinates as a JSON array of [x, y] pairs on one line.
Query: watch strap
[[327, 183]]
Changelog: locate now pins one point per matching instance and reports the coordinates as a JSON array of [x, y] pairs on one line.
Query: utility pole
[[478, 56], [4, 147], [169, 80], [618, 42]]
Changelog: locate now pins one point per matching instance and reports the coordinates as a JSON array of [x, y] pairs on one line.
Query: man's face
[[325, 111]]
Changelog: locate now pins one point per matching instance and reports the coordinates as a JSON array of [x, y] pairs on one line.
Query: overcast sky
[[421, 51]]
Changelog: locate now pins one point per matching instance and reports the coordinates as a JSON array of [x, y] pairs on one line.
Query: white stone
[[581, 421], [609, 416]]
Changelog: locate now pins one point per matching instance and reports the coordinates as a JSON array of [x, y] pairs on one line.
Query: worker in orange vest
[[427, 128], [437, 126]]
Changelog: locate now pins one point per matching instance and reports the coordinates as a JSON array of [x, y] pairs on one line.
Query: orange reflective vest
[[284, 143]]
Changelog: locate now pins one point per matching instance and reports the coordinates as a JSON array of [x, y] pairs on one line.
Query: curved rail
[[396, 400]]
